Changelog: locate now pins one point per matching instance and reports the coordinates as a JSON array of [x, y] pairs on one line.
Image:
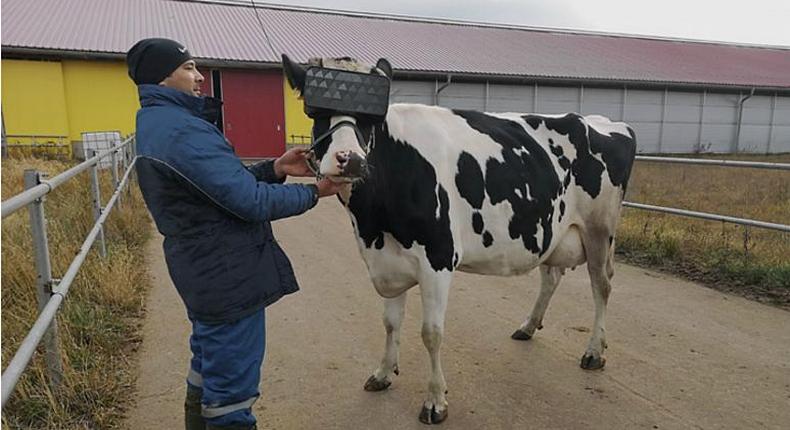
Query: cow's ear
[[385, 67], [294, 72]]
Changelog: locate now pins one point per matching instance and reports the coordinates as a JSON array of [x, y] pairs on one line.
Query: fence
[[36, 145], [708, 216], [298, 139], [52, 291]]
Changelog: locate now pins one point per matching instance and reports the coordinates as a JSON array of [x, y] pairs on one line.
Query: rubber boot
[[237, 427], [193, 420]]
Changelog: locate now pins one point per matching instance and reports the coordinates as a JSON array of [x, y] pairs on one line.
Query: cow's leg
[[434, 288], [601, 271], [549, 279], [393, 316]]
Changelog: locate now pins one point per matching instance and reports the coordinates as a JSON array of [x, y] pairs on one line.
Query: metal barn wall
[[665, 121], [34, 99], [99, 97]]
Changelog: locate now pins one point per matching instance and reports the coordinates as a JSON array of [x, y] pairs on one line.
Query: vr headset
[[329, 92]]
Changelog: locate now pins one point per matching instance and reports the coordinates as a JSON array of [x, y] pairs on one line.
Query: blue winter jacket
[[214, 212]]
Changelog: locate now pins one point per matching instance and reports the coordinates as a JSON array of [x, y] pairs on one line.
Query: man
[[215, 215]]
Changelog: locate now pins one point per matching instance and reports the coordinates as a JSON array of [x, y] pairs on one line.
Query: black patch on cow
[[558, 152], [321, 126], [617, 151], [586, 169], [455, 260], [562, 209], [379, 241], [477, 223], [521, 169], [488, 240], [471, 186], [555, 149], [533, 121], [469, 180], [399, 196]]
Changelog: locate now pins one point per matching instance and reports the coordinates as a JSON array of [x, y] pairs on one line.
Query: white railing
[[705, 215], [52, 291]]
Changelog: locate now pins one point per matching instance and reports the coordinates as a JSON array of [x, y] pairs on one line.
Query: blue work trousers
[[226, 365]]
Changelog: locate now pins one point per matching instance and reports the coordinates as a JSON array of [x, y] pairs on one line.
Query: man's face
[[185, 78]]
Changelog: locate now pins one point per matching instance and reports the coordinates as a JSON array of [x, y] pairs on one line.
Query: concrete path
[[680, 355]]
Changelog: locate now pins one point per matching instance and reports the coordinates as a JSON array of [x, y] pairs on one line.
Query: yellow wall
[[73, 96], [34, 100], [99, 97], [296, 122], [67, 98]]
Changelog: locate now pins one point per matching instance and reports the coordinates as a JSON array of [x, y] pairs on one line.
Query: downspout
[[740, 119], [440, 89]]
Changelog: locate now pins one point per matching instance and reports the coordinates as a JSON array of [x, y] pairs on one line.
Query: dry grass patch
[[748, 261], [98, 321]]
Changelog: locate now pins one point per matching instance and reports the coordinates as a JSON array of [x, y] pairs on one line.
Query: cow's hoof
[[590, 362], [520, 335], [431, 416], [374, 384]]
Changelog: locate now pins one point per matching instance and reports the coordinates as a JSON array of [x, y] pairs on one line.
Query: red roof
[[233, 33]]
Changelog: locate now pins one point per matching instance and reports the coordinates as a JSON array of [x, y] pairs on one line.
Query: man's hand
[[328, 187], [292, 163]]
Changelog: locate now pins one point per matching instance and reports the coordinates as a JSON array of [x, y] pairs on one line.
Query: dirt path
[[680, 355]]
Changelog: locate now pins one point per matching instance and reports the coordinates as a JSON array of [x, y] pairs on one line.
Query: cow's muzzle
[[352, 165]]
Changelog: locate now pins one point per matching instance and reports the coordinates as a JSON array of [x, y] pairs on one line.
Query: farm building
[[64, 72]]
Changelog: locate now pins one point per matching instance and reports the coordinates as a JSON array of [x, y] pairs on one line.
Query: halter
[[312, 163], [364, 96]]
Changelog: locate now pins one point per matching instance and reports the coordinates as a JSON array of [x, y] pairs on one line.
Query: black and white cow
[[498, 194]]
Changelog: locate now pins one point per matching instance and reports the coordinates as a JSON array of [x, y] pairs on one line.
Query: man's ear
[[385, 67], [294, 72]]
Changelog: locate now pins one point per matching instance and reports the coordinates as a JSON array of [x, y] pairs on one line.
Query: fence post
[[44, 281], [133, 153], [115, 175], [97, 209]]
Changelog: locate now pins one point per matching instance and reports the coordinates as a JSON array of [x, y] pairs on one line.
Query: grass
[[748, 261], [99, 320]]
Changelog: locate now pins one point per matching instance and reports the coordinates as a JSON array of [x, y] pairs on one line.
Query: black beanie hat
[[150, 61]]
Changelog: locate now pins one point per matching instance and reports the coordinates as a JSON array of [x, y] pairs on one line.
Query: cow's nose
[[355, 166]]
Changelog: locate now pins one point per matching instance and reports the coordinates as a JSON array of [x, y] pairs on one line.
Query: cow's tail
[[610, 260]]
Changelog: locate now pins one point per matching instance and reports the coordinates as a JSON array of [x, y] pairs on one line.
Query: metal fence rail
[[52, 292], [23, 199], [712, 217], [704, 215], [707, 162]]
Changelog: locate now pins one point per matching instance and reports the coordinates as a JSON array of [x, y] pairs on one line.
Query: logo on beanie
[[182, 50]]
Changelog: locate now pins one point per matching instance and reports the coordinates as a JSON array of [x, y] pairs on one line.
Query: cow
[[435, 190]]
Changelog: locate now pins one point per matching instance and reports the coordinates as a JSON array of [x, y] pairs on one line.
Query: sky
[[763, 22]]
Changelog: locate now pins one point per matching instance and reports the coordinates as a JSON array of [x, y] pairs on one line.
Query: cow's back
[[489, 193]]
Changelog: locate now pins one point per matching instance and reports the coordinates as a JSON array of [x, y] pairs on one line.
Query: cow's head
[[342, 133]]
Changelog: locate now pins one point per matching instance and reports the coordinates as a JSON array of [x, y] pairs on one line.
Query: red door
[[253, 116]]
